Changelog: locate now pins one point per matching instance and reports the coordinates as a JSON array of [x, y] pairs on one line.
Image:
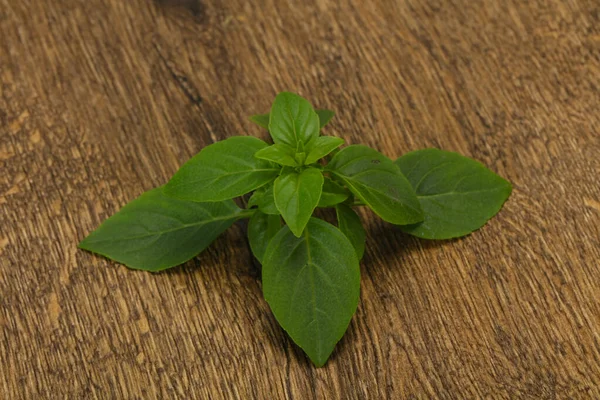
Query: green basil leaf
[[324, 117], [378, 182], [264, 199], [458, 194], [333, 194], [155, 232], [256, 197], [222, 171], [261, 229], [350, 225], [281, 154], [322, 146], [267, 204], [293, 121], [297, 195], [312, 284], [261, 120]]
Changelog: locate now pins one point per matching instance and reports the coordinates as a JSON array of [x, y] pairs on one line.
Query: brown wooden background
[[103, 99]]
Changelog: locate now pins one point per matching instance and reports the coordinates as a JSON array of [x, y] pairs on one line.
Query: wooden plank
[[101, 100]]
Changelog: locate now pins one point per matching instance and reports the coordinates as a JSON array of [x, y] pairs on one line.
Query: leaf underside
[[324, 116]]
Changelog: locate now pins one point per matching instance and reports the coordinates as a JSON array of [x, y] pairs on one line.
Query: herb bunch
[[310, 268]]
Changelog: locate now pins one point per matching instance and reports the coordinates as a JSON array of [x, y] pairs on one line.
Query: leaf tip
[[296, 232], [84, 243], [319, 363]]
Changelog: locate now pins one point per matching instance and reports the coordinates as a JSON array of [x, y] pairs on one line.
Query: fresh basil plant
[[310, 268]]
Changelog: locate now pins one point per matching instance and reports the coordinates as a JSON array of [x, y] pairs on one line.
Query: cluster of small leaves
[[310, 268]]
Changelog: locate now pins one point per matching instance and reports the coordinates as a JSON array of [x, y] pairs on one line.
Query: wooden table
[[101, 100]]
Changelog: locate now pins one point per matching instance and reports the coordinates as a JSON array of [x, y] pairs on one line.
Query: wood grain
[[101, 100]]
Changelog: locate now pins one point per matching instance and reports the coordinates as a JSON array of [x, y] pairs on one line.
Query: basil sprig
[[311, 275]]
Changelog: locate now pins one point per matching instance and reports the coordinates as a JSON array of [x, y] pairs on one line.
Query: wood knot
[[194, 7]]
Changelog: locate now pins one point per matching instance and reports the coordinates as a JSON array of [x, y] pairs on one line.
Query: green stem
[[247, 213]]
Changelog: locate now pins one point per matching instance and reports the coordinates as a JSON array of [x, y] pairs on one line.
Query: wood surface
[[101, 100]]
